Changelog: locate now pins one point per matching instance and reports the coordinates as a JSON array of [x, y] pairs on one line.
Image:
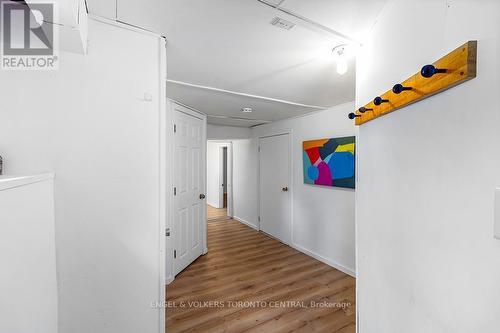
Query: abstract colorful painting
[[330, 162]]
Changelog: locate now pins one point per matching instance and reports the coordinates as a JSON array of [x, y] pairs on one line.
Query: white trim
[[245, 222], [327, 261], [204, 159], [124, 25], [220, 172], [291, 186], [169, 279], [270, 99], [8, 182], [170, 142], [185, 105], [230, 198], [191, 112], [163, 178]]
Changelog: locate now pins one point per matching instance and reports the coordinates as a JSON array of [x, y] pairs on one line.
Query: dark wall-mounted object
[[429, 71], [460, 65], [379, 100], [1, 165], [352, 115], [363, 109], [399, 88]]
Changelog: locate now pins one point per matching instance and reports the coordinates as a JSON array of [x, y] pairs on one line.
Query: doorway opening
[[219, 180]]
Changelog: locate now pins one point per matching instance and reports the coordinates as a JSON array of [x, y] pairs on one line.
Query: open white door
[[189, 187], [274, 187], [230, 180]]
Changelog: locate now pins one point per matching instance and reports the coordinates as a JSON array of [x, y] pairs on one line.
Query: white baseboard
[[316, 256], [253, 226], [329, 262], [169, 279]]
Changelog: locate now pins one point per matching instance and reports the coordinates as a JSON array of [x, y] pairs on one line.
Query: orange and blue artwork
[[330, 162]]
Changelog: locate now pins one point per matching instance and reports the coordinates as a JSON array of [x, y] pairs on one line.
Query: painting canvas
[[330, 162]]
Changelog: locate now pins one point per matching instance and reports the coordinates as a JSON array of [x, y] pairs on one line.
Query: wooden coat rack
[[453, 69]]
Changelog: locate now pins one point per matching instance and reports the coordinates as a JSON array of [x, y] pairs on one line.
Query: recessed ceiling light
[[246, 110]]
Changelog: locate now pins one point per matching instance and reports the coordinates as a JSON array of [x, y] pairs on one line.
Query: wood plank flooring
[[216, 213], [250, 282]]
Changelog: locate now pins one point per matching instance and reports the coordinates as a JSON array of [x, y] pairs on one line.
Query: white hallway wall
[[427, 259], [216, 132], [245, 181], [323, 218], [213, 164], [87, 122]]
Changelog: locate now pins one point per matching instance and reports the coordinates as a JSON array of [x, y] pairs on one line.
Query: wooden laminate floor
[[249, 282], [216, 213]]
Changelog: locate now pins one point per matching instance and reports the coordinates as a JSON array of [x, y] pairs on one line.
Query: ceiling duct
[[309, 21]]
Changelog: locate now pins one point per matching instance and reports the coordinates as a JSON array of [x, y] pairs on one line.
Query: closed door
[[275, 187], [189, 189]]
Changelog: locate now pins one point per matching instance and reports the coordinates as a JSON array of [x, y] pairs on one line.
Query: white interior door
[[230, 180], [274, 187], [189, 188], [221, 177]]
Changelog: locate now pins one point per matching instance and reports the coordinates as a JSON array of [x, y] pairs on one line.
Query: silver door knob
[[285, 189], [202, 196]]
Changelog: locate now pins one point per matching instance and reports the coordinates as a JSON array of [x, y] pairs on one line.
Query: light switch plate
[[497, 213]]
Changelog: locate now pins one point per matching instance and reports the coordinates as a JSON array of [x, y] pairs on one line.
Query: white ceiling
[[231, 45], [224, 104]]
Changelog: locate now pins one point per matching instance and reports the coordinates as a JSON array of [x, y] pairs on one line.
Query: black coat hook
[[430, 70], [352, 115], [378, 100], [363, 109], [399, 88]]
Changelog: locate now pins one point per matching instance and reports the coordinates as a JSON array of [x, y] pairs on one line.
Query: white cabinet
[[146, 14], [28, 284]]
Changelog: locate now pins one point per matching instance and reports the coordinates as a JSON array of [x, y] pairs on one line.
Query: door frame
[[291, 186], [221, 175], [176, 106], [229, 144], [229, 180]]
